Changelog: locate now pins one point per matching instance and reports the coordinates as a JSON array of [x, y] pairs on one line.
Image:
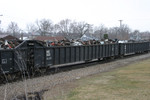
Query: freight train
[[32, 55]]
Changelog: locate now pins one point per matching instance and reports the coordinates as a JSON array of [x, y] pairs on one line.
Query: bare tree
[[145, 35], [31, 28], [100, 31], [69, 28], [56, 29], [13, 29], [74, 27], [124, 32], [83, 28], [121, 33], [64, 26], [45, 26], [114, 33]]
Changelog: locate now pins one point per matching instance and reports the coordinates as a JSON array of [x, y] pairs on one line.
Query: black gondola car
[[132, 48], [7, 61], [32, 55]]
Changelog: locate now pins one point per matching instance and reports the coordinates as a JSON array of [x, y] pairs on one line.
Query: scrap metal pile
[[12, 44], [79, 42], [4, 44]]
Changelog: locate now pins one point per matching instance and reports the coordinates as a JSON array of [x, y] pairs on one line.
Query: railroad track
[[57, 69]]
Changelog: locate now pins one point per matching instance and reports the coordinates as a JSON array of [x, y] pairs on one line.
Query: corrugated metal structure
[[69, 54], [7, 61], [127, 48], [30, 55]]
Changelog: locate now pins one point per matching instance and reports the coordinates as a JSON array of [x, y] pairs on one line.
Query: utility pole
[[120, 29], [120, 23], [0, 20]]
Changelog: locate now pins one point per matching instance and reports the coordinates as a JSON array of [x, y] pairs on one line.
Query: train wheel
[[99, 59], [11, 77], [105, 59], [33, 73], [37, 72], [2, 79], [18, 75], [122, 56], [112, 58], [42, 71]]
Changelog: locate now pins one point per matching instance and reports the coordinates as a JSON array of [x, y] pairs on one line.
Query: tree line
[[75, 29]]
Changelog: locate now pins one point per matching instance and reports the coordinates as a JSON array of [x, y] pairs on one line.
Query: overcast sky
[[134, 13]]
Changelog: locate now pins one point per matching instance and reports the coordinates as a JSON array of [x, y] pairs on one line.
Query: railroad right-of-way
[[35, 87]]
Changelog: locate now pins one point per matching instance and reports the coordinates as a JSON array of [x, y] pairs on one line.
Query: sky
[[134, 13]]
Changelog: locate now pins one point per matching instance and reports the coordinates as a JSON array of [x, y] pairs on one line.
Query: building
[[87, 38], [8, 37], [49, 38]]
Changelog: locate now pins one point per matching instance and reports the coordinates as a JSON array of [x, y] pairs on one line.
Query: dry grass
[[58, 85], [127, 83]]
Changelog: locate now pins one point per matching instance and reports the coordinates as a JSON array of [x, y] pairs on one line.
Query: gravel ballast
[[11, 91]]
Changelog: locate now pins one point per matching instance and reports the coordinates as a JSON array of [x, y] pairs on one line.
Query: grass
[[127, 83]]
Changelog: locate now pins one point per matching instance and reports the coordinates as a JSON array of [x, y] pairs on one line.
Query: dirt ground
[[49, 87]]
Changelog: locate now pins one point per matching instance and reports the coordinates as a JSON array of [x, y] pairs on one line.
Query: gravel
[[37, 86]]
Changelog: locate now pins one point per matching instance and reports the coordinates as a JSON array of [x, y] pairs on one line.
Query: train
[[32, 55]]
